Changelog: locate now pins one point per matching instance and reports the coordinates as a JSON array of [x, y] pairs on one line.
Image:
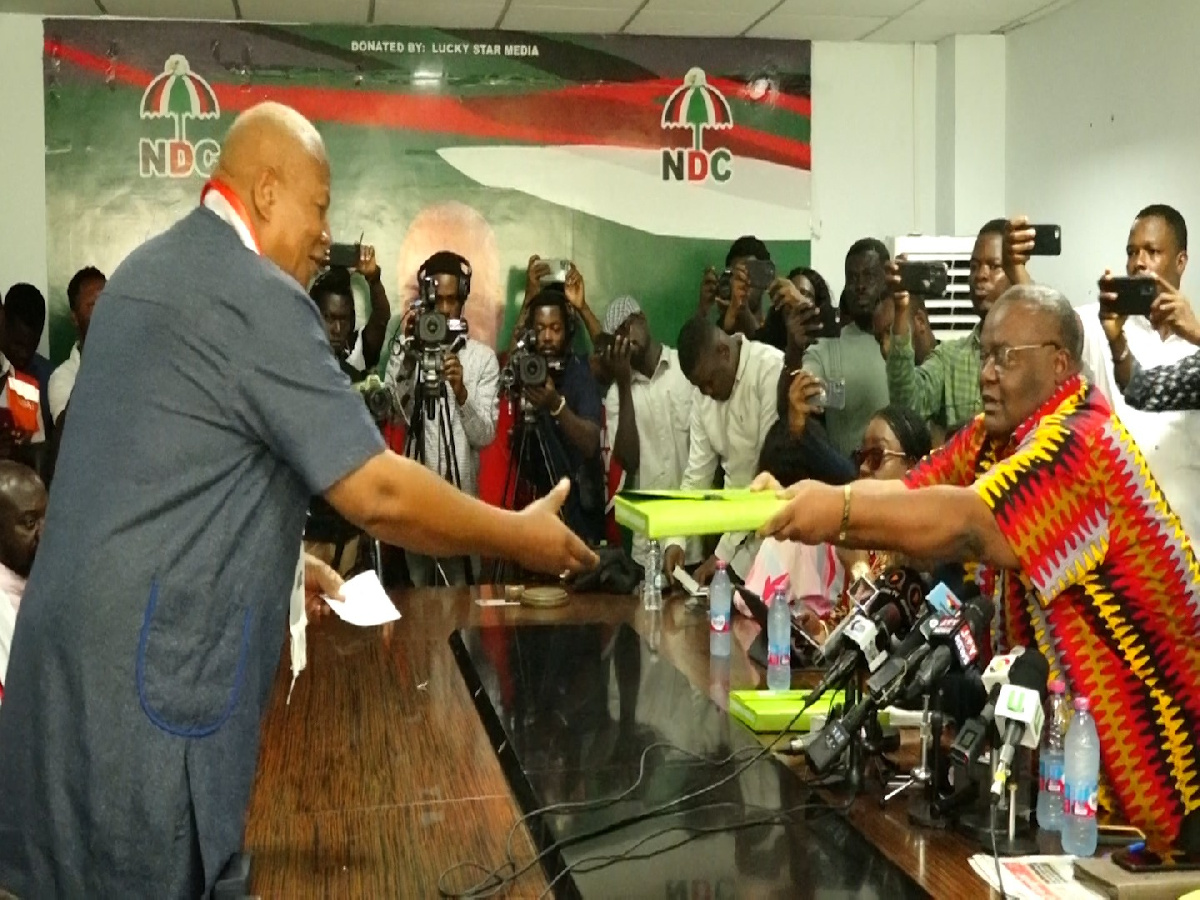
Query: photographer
[[356, 351], [560, 275], [566, 412], [465, 412], [335, 299], [739, 302]]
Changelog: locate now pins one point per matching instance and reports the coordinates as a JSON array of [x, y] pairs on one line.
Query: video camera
[[432, 335], [527, 368]]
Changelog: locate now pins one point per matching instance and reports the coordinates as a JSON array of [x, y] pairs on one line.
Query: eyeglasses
[[1002, 356], [873, 457]]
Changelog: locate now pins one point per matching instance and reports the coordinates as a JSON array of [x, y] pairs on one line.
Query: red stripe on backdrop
[[657, 91], [618, 115]]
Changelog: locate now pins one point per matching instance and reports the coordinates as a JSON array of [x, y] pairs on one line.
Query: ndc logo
[[697, 105], [179, 94]]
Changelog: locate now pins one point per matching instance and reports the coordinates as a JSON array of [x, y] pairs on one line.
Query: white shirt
[[62, 382], [732, 434], [1170, 441], [662, 408], [12, 586], [473, 424]]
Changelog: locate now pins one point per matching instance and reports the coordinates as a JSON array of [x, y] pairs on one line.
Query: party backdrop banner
[[640, 158]]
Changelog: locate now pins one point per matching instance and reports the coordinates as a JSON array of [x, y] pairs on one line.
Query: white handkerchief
[[366, 602]]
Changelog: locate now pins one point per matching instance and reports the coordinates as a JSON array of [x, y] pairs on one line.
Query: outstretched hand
[[546, 544]]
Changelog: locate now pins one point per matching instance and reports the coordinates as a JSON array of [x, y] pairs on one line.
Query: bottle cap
[[721, 564], [1082, 704], [1057, 686]]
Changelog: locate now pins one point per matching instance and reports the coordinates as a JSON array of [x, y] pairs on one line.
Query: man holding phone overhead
[[1156, 252], [945, 387]]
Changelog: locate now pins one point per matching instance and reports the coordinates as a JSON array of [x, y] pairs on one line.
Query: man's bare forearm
[[583, 434], [627, 442], [402, 503], [934, 523]]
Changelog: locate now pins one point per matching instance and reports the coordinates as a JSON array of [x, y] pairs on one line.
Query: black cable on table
[[494, 882]]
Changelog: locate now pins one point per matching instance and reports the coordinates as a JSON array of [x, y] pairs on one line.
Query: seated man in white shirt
[[1170, 441], [647, 409], [22, 512], [471, 375], [729, 424], [82, 292]]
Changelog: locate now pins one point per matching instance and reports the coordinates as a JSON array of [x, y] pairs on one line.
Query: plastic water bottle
[[1081, 776], [779, 642], [1050, 761], [651, 586], [720, 603]]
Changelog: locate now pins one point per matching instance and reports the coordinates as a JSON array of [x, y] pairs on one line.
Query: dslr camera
[[380, 399]]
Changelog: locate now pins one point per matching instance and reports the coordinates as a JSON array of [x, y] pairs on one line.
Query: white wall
[[22, 155], [873, 146], [1103, 119], [970, 132]]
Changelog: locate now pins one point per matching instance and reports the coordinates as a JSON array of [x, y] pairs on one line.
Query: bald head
[[22, 512], [267, 134], [274, 160]]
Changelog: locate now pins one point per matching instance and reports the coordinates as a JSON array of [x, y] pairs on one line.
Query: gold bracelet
[[845, 513], [562, 403]]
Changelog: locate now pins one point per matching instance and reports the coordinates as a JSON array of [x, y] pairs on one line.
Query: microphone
[[1020, 709], [968, 744], [882, 687], [956, 640], [900, 589]]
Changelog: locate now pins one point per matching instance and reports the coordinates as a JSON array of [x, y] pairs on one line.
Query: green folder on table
[[774, 711], [664, 514]]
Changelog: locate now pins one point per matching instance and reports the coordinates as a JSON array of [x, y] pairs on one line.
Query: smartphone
[[1119, 835], [928, 279], [832, 395], [344, 255], [760, 272], [1143, 860], [1135, 296], [559, 269], [1047, 240]]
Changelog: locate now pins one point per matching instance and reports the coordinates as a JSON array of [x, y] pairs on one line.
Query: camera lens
[[432, 327], [533, 371]]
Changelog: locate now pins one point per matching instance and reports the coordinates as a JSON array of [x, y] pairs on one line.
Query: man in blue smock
[[208, 411]]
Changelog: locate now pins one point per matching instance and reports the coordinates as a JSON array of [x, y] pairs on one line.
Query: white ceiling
[[899, 21]]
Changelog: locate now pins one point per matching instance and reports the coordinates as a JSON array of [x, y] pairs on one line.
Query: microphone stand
[[1014, 835]]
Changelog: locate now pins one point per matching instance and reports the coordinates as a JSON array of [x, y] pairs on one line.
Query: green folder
[[664, 514], [772, 711]]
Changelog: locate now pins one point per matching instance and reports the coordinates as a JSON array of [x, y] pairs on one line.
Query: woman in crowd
[[819, 576]]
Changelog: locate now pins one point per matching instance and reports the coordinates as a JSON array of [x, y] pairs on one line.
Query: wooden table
[[378, 775]]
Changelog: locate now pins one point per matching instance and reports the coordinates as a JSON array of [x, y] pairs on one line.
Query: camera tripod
[[531, 474], [431, 410]]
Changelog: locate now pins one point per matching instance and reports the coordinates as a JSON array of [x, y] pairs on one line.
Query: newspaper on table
[[1034, 877]]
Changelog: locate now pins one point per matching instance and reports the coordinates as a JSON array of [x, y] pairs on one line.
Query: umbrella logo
[[697, 105], [178, 94]]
